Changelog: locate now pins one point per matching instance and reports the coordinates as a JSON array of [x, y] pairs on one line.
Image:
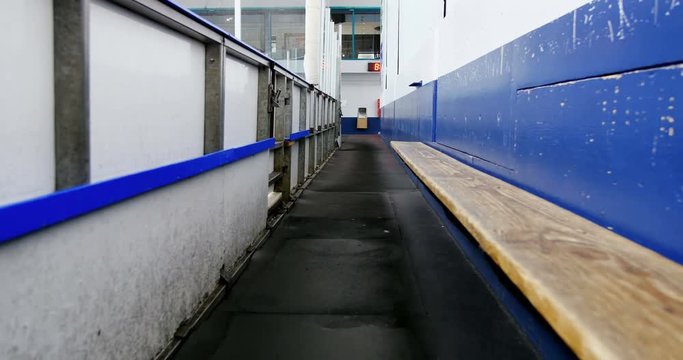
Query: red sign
[[374, 67]]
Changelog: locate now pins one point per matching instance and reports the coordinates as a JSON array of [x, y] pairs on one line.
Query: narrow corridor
[[361, 268]]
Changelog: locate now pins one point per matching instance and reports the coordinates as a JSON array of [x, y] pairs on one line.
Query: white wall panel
[[294, 169], [146, 92], [296, 103], [116, 283], [360, 90], [241, 103], [27, 101], [307, 153], [309, 111], [427, 45]]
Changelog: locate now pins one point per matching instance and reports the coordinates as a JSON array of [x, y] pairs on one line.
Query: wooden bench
[[606, 296]]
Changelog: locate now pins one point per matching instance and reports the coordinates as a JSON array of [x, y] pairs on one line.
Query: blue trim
[[298, 135], [32, 215]]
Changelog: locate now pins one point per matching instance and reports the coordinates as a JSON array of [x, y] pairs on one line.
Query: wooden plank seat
[[606, 296]]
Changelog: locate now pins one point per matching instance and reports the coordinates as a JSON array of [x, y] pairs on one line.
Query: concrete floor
[[361, 268]]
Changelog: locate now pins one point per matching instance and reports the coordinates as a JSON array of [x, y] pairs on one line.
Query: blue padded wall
[[582, 111], [413, 115]]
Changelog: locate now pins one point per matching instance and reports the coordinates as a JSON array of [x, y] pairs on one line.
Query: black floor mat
[[361, 268]]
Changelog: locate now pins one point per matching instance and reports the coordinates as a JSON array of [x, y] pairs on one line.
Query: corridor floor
[[361, 268]]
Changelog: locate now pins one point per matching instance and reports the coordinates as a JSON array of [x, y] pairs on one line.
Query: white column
[[312, 56], [238, 19]]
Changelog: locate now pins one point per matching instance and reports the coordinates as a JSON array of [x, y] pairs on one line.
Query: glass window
[[367, 36], [223, 18], [360, 32], [254, 28], [287, 36], [345, 18]]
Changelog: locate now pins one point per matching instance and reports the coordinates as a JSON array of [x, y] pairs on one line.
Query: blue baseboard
[[580, 112]]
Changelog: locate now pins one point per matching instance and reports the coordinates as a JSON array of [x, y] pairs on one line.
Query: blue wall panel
[[425, 111], [473, 108], [406, 125], [348, 126], [581, 111], [412, 118], [387, 121], [610, 151], [603, 37]]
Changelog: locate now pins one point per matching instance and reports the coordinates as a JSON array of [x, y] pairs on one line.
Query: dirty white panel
[[360, 90], [27, 101], [296, 103], [307, 160], [116, 283], [241, 103], [309, 105], [146, 93], [294, 169]]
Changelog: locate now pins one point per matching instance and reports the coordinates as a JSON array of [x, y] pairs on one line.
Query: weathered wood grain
[[606, 296]]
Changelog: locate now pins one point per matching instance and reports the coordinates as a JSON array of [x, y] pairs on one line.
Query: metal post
[[214, 99], [72, 93], [264, 118], [283, 127], [238, 19], [302, 144], [353, 34]]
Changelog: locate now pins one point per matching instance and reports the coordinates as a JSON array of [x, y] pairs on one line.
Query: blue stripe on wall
[[348, 126], [298, 135], [35, 214], [585, 118]]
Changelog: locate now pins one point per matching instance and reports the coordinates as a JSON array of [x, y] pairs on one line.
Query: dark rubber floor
[[361, 268]]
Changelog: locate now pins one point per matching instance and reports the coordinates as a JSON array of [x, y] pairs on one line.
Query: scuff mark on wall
[[574, 31], [611, 30], [623, 20]]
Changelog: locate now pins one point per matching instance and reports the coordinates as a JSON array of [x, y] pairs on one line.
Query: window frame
[[354, 11]]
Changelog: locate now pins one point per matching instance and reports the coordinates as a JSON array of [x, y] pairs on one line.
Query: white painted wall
[[241, 103], [431, 46], [27, 101], [309, 124], [296, 104], [146, 93], [309, 110], [360, 90], [307, 147], [116, 283], [294, 170]]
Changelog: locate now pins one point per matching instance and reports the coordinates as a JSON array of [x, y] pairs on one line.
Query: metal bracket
[[274, 99], [288, 97]]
